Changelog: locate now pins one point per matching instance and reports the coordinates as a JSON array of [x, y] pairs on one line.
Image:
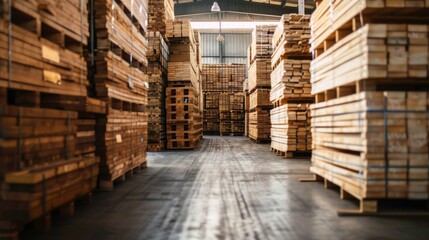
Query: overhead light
[[215, 7], [220, 38]]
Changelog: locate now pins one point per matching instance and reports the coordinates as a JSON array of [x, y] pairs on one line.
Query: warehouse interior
[[203, 119]]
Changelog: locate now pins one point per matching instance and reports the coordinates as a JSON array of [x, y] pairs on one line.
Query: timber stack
[[157, 56], [160, 14], [184, 118], [246, 107], [291, 88], [119, 63], [47, 158], [259, 82], [370, 119], [223, 99]]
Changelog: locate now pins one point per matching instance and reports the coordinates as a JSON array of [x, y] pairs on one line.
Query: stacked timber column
[[120, 80], [223, 99], [246, 107], [160, 13], [291, 88], [259, 83], [184, 120], [157, 56], [46, 118], [370, 119]]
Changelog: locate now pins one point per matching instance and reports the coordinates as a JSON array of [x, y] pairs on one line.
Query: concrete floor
[[229, 188]]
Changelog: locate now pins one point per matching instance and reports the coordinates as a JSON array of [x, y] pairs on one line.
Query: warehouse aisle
[[229, 188]]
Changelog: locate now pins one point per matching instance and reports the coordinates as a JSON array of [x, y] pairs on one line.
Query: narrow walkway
[[229, 188]]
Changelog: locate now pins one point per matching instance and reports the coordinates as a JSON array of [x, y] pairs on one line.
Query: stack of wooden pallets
[[157, 55], [47, 158], [259, 84], [161, 12], [184, 118], [222, 86], [119, 65], [370, 78], [290, 87]]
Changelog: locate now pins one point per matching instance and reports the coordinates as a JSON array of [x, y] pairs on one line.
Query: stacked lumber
[[370, 126], [261, 45], [375, 144], [379, 51], [291, 128], [120, 61], [223, 77], [199, 58], [211, 118], [50, 53], [179, 29], [160, 12], [183, 64], [291, 38], [290, 87], [259, 98], [184, 122], [158, 55], [259, 83], [88, 109], [32, 194], [259, 125], [47, 121], [222, 86], [184, 116]]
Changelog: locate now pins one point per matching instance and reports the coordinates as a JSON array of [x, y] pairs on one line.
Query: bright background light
[[229, 25]]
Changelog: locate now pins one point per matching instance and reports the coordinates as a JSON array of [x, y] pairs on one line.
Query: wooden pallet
[[155, 147], [383, 135], [374, 207], [54, 67], [331, 21], [184, 119], [291, 154], [121, 142], [108, 184], [402, 60], [31, 195]]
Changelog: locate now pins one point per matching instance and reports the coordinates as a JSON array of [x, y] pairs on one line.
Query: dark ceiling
[[269, 8]]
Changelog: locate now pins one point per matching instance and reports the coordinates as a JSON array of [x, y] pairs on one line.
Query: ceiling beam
[[233, 6]]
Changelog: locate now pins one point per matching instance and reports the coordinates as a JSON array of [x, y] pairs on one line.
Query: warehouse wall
[[234, 47]]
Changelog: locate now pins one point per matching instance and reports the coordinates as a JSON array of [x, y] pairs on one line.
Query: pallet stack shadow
[[259, 82], [223, 99], [120, 79], [47, 155], [291, 88], [184, 118], [370, 119]]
